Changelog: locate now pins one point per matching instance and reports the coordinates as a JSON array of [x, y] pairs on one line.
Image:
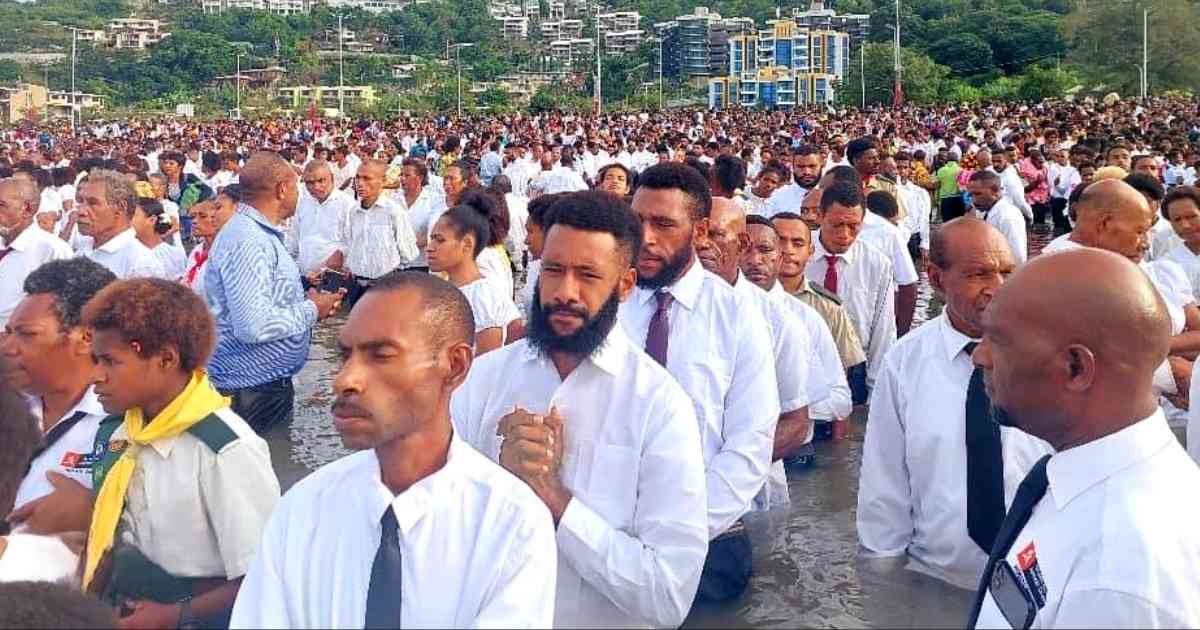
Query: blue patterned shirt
[[264, 320]]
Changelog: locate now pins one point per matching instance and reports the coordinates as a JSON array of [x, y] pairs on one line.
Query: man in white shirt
[[990, 204], [720, 254], [422, 203], [517, 169], [49, 357], [1101, 533], [316, 234], [806, 173], [856, 272], [379, 238], [918, 202], [417, 529], [26, 246], [106, 205], [1063, 179], [761, 265], [491, 163], [936, 472], [684, 317], [629, 499], [1011, 183]]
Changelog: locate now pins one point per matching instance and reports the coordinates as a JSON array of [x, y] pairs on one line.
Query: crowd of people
[[577, 351]]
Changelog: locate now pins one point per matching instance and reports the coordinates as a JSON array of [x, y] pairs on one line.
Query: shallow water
[[806, 566]]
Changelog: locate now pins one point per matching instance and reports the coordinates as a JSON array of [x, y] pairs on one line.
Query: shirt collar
[[1074, 471], [253, 214], [953, 341], [686, 290], [609, 357], [118, 242], [26, 236], [819, 249], [414, 503]]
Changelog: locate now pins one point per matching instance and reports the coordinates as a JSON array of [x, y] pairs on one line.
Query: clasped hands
[[532, 449]]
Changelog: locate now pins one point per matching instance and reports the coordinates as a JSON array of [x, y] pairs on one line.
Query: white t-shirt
[[29, 558], [490, 307], [496, 269]]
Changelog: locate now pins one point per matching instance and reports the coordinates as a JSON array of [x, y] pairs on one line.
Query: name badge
[[1012, 600]]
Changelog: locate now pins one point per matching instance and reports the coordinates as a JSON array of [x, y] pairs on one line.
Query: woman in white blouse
[[492, 258], [150, 224], [457, 239]]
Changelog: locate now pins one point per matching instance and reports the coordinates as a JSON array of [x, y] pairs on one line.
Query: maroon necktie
[[660, 328], [831, 274]]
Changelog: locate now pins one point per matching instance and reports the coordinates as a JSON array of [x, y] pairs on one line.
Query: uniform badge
[[117, 446], [70, 460], [1027, 562]]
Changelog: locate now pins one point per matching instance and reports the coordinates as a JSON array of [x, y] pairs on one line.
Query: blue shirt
[[264, 319], [490, 166]]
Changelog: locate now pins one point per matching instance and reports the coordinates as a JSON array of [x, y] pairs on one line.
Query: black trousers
[[727, 567], [265, 406], [1040, 212], [1058, 213], [952, 208], [856, 378]]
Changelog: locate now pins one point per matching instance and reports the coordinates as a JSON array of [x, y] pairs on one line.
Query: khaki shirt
[[844, 334], [879, 183]]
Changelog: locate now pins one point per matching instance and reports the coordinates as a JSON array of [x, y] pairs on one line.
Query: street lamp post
[[458, 68], [1145, 52], [341, 70], [238, 78], [660, 73]]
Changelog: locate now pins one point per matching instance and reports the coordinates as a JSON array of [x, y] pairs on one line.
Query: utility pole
[[599, 53], [897, 88], [1145, 52], [458, 66], [341, 71], [74, 94], [239, 84], [862, 72], [660, 73]]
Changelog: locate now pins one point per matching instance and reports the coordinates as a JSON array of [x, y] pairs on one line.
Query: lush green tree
[[921, 77], [1043, 82], [1106, 40], [9, 72], [965, 53]]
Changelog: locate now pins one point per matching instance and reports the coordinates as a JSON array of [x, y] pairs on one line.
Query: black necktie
[[383, 596], [1031, 490], [985, 464]]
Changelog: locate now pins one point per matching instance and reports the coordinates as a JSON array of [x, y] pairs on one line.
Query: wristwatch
[[187, 620]]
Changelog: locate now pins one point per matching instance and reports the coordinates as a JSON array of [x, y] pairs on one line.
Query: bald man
[[316, 236], [1113, 216], [1103, 532], [264, 317], [936, 471], [797, 374], [23, 245], [378, 236]]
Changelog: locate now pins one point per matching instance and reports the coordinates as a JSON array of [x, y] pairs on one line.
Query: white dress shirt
[[865, 287], [826, 373], [919, 209], [719, 350], [891, 240], [477, 548], [559, 179], [518, 175], [490, 307], [1006, 218], [70, 454], [1113, 541], [1014, 190], [787, 198], [1162, 240], [912, 493], [525, 295], [1189, 263], [171, 258], [379, 239], [633, 539], [127, 258], [496, 268], [29, 558], [422, 215], [319, 229], [31, 249], [1063, 181]]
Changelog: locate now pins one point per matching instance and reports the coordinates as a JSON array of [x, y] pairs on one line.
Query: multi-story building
[[857, 25], [134, 33], [28, 101], [621, 42], [568, 54], [514, 28], [666, 35], [278, 7], [552, 30], [699, 42], [620, 21], [781, 67], [300, 97]]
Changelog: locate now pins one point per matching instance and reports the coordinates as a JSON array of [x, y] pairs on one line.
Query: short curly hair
[[157, 314], [50, 605], [71, 283]]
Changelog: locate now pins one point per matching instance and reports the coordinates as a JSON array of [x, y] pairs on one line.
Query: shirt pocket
[[612, 482]]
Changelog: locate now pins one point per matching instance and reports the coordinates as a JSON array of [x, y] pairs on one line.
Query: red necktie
[[831, 273], [201, 257]]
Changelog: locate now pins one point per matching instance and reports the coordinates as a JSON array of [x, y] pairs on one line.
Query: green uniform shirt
[[947, 177]]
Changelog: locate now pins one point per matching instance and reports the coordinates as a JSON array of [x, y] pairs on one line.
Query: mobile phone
[[331, 281]]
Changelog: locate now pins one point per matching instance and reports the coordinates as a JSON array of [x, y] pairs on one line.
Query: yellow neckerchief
[[503, 255], [198, 400]]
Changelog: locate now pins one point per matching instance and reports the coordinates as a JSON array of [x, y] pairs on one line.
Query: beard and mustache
[[671, 270], [585, 341]]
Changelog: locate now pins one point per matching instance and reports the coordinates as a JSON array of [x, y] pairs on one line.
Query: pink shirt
[[1031, 174]]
